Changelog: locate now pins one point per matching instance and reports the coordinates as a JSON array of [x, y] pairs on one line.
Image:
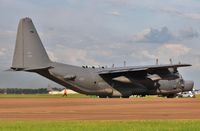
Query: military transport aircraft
[[30, 56]]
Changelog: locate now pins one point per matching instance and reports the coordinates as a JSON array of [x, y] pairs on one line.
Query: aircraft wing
[[125, 70]]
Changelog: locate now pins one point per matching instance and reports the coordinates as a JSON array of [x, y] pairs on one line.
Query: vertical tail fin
[[29, 51]]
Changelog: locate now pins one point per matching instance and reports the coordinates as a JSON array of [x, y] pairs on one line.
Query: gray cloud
[[164, 35], [2, 51], [187, 33], [73, 56], [173, 11], [114, 13]]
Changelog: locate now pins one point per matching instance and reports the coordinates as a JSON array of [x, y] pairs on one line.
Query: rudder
[[29, 51]]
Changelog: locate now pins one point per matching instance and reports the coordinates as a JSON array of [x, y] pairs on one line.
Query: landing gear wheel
[[125, 96], [171, 96], [102, 96]]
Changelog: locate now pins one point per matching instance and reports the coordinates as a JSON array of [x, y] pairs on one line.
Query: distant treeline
[[24, 91]]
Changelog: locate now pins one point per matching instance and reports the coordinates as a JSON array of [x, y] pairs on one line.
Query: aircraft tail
[[29, 52]]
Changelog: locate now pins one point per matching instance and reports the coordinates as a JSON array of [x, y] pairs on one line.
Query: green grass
[[197, 96], [147, 125]]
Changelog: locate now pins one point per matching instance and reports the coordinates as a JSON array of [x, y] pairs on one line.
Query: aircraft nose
[[188, 85]]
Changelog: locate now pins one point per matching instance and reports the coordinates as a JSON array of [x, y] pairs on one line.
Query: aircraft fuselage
[[89, 82]]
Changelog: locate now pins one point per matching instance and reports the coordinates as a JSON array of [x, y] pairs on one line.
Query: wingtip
[[186, 64]]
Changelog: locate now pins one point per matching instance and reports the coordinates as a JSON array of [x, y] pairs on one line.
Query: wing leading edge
[[139, 68]]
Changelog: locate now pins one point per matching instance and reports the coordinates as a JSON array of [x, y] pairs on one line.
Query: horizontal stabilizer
[[30, 69]]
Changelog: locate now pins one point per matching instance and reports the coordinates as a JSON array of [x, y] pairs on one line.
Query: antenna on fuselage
[[170, 60], [124, 63], [113, 65], [157, 61]]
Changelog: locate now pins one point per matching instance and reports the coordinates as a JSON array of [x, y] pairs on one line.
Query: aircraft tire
[[171, 96], [125, 96], [102, 96]]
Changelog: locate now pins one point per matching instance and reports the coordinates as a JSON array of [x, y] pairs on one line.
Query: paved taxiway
[[98, 109]]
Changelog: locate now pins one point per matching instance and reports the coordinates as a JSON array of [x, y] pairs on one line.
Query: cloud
[[187, 33], [163, 35], [2, 51], [173, 50], [52, 56], [173, 11], [176, 51], [7, 34], [147, 54], [72, 56], [154, 35], [5, 58], [195, 61], [114, 13]]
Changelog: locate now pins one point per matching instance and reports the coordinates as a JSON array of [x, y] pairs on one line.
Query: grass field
[[197, 96], [44, 96], [154, 125]]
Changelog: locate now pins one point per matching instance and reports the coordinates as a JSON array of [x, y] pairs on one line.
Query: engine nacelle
[[188, 85]]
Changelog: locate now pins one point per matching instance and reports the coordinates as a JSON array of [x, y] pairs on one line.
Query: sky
[[104, 32]]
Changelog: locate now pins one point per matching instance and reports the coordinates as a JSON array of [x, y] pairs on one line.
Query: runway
[[98, 109]]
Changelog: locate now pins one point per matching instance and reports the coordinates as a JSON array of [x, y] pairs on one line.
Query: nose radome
[[188, 85]]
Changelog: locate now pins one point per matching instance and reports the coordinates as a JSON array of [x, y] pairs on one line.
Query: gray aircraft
[[30, 56]]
